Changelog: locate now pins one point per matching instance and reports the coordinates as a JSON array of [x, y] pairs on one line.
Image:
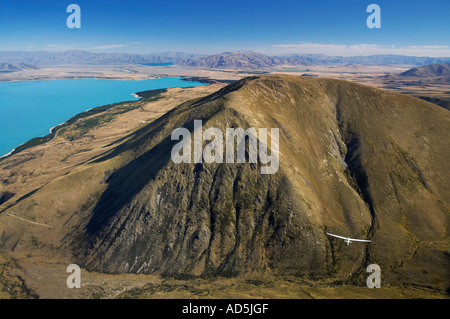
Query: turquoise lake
[[29, 109]]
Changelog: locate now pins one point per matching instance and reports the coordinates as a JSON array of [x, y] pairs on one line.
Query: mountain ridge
[[13, 67], [430, 70], [425, 75], [87, 57]]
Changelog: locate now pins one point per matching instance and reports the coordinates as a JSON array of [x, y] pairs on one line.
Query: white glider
[[348, 240]]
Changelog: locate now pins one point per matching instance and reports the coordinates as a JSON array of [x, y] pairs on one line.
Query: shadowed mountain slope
[[354, 161]]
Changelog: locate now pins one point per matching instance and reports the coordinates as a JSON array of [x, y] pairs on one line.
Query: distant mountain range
[[432, 70], [84, 57], [438, 73], [256, 61], [10, 67], [314, 59], [244, 60]]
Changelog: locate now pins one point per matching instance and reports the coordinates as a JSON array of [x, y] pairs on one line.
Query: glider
[[348, 240]]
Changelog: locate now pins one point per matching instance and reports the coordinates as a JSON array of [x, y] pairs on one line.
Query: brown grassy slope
[[354, 160]]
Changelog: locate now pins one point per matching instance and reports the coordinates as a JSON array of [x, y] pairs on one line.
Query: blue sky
[[332, 27]]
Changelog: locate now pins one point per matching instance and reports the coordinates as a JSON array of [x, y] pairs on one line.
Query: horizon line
[[220, 52]]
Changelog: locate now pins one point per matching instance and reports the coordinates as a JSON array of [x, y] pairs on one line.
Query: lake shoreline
[[201, 79], [38, 140]]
